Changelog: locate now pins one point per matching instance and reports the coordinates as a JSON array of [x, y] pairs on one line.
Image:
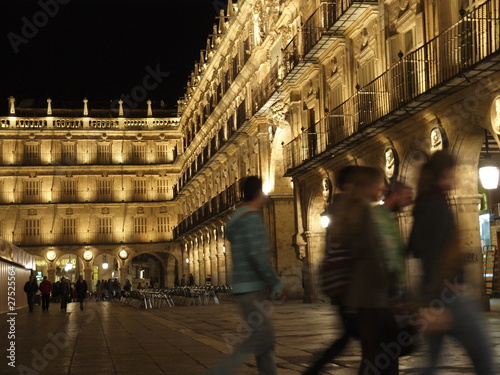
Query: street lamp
[[325, 219], [488, 172]]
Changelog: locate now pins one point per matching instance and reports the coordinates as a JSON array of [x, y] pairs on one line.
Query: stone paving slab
[[115, 338]]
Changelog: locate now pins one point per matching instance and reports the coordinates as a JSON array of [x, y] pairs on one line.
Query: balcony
[[216, 208], [448, 62]]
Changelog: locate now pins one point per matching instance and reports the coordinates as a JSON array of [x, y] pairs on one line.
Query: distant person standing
[[65, 293], [30, 288], [81, 290], [46, 289], [183, 280], [253, 273], [435, 240], [191, 279]]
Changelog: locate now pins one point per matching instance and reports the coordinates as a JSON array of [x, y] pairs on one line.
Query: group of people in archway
[[61, 291]]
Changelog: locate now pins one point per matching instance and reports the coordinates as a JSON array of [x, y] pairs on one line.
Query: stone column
[[466, 215], [87, 275], [51, 275]]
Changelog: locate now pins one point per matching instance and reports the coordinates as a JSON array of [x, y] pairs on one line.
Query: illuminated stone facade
[[289, 90]]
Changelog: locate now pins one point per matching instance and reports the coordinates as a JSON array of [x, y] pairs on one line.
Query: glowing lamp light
[[68, 267], [489, 176], [266, 188], [187, 260], [325, 220], [105, 266]]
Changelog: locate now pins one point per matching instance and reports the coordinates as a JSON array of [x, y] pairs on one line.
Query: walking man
[[45, 288], [252, 274], [30, 288], [81, 290]]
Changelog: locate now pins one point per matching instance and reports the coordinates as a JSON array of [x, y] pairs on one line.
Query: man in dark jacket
[[81, 290], [30, 288], [64, 292], [45, 288]]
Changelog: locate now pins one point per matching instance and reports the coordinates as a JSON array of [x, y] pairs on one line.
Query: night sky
[[101, 49]]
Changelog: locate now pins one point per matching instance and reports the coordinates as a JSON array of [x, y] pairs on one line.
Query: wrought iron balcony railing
[[461, 48], [211, 209]]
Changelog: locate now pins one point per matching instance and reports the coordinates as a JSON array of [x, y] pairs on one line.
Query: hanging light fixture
[[104, 263], [488, 172], [69, 266]]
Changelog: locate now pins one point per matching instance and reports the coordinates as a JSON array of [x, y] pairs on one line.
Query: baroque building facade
[[290, 90]]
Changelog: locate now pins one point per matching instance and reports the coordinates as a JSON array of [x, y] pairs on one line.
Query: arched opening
[[105, 267], [146, 269], [69, 266]]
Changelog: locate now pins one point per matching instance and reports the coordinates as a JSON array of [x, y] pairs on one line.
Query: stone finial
[[49, 107], [85, 107], [150, 111], [12, 105], [120, 108]]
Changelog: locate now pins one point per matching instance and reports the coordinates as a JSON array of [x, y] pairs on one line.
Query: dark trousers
[[31, 300], [348, 320], [64, 302], [81, 299], [376, 329], [45, 301]]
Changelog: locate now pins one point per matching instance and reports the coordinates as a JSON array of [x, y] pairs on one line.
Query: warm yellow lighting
[[489, 176], [105, 266], [51, 255], [123, 254], [325, 220], [87, 255], [267, 187]]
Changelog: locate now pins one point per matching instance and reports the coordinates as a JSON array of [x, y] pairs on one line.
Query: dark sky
[[100, 49]]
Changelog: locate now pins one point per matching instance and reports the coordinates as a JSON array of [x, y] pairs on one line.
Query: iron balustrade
[[472, 39], [218, 205]]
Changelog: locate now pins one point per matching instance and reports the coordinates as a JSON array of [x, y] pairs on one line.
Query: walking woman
[[434, 239]]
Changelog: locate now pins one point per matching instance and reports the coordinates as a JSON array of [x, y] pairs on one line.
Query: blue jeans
[[257, 337], [470, 331]]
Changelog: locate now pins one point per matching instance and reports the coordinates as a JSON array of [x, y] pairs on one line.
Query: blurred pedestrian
[[434, 240], [30, 288], [65, 293], [98, 290], [396, 196], [252, 274], [367, 293], [117, 289], [343, 180], [191, 280], [81, 290], [45, 289], [55, 292], [183, 280], [111, 289]]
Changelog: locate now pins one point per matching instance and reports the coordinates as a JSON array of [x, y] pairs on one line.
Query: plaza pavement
[[115, 338]]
